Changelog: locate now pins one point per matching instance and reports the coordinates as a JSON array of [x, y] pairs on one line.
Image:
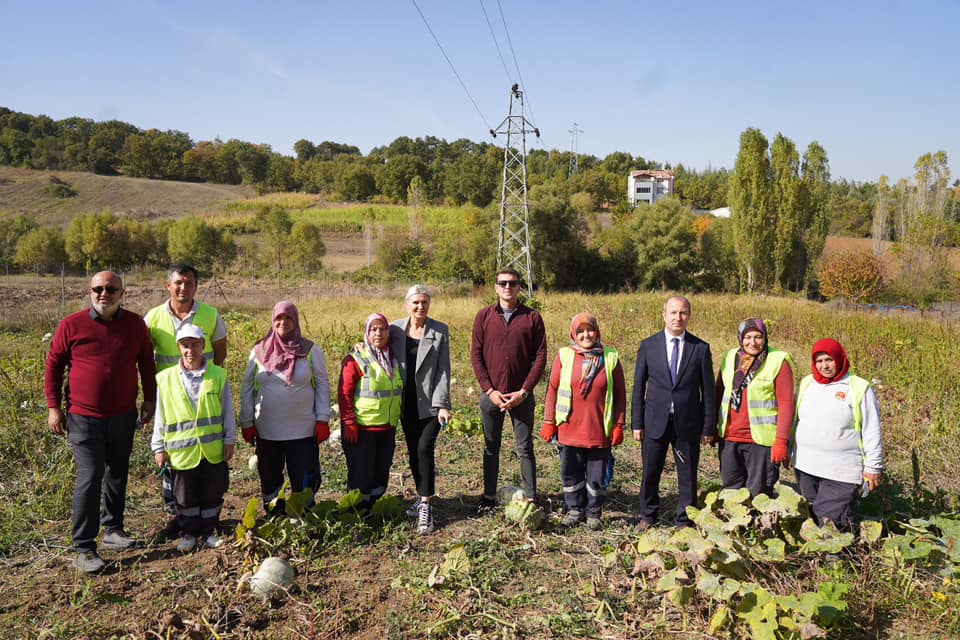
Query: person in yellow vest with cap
[[755, 396], [370, 394], [164, 320], [839, 451], [585, 409], [194, 433]]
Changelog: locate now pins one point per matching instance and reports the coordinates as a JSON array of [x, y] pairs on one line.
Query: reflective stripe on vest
[[761, 395], [377, 399], [164, 335], [192, 434], [858, 389], [565, 388]]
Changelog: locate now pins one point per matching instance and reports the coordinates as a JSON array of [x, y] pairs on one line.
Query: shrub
[[856, 275]]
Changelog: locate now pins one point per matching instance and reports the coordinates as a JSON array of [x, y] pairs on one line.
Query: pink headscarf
[[278, 355], [384, 356]]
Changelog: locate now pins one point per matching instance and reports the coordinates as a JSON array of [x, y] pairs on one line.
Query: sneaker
[[213, 541], [425, 519], [594, 523], [484, 506], [573, 518], [414, 507], [117, 539], [187, 544], [89, 562]]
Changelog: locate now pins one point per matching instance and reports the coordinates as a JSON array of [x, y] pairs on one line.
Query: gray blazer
[[432, 376]]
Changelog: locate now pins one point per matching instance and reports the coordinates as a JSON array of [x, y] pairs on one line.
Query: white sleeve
[[220, 330], [156, 441], [870, 434], [321, 394], [229, 418], [247, 392]]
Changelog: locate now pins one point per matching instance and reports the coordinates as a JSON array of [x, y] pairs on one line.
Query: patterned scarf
[[279, 355], [746, 364], [384, 356], [592, 357]]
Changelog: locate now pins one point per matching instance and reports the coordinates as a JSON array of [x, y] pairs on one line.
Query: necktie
[[674, 360]]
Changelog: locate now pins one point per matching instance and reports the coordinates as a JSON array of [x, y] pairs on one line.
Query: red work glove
[[616, 436], [351, 433], [778, 452], [548, 432], [250, 434], [322, 430]]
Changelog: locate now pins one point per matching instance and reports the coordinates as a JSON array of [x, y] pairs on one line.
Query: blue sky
[[876, 83]]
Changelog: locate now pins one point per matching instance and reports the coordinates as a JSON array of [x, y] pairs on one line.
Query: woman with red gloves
[[285, 407], [755, 396], [585, 410], [370, 394], [839, 451]]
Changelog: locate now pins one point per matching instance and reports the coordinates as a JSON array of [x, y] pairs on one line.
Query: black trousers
[[199, 493], [747, 464], [300, 457], [582, 471], [421, 437], [101, 447], [522, 418], [830, 499], [368, 462], [686, 456]]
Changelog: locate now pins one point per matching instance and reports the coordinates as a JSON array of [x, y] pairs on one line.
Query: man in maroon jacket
[[104, 347], [509, 355]]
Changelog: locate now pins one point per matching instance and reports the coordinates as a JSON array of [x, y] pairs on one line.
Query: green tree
[[275, 225], [665, 245], [41, 250], [280, 174], [750, 206], [305, 248], [106, 144], [156, 154], [91, 242], [11, 230], [787, 211], [394, 177], [815, 222], [195, 242], [354, 181]]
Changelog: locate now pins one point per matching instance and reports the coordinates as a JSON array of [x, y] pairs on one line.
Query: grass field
[[376, 582]]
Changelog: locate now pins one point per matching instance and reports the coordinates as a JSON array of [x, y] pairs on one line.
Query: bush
[[854, 275]]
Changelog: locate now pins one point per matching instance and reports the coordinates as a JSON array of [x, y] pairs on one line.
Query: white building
[[649, 185]]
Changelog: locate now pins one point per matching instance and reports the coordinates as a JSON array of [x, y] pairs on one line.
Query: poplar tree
[[815, 223], [787, 212], [750, 207]]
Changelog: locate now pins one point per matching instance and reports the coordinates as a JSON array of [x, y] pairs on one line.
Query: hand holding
[[250, 434], [548, 432], [351, 433], [873, 480], [616, 436], [321, 430], [161, 458], [443, 417], [778, 452]]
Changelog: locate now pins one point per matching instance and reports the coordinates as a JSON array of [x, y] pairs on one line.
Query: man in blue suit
[[673, 405]]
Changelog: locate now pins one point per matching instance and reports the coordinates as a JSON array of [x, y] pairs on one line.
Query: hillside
[[23, 191]]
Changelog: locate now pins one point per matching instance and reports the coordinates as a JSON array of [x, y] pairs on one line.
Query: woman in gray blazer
[[422, 348]]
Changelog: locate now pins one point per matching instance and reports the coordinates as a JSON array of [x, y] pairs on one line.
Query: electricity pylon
[[574, 160], [513, 249]]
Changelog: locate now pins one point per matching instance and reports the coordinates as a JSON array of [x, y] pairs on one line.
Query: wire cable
[[516, 64], [452, 68], [495, 43]]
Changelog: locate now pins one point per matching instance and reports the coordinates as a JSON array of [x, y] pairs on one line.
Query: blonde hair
[[417, 290]]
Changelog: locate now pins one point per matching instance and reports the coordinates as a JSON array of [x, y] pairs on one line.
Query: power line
[[495, 43], [452, 68], [533, 120]]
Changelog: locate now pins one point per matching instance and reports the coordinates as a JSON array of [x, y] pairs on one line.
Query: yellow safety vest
[[191, 434], [164, 335], [761, 395], [858, 389], [565, 388], [377, 399]]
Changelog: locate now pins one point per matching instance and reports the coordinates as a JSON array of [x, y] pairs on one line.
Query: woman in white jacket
[[838, 443]]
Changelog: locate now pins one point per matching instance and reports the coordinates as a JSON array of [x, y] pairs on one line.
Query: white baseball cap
[[189, 330]]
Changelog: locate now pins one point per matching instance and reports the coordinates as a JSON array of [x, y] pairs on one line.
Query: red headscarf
[[835, 350], [278, 355]]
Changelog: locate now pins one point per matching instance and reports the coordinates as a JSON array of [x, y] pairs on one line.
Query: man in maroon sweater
[[509, 355], [104, 347]]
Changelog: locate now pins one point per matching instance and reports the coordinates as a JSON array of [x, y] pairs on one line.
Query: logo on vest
[[841, 395]]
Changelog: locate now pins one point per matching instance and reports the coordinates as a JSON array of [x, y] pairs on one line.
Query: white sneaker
[[187, 544], [213, 541], [425, 519], [414, 507]]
